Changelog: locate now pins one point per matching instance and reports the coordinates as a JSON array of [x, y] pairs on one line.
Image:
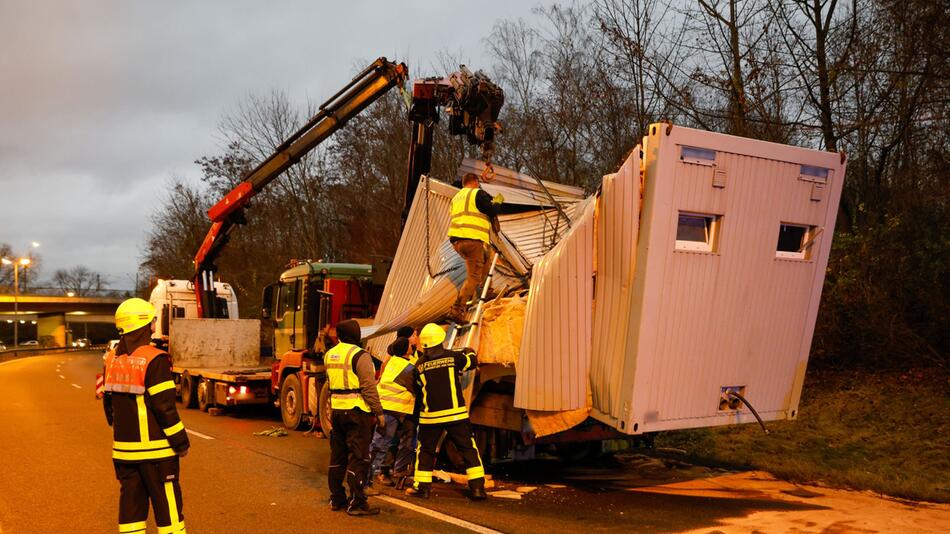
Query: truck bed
[[227, 374]]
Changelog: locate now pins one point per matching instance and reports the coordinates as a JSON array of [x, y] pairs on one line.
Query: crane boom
[[364, 89]]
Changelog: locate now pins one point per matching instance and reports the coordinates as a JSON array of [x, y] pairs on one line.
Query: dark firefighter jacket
[[438, 384], [139, 403]]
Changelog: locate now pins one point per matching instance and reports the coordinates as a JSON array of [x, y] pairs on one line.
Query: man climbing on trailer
[[471, 221]]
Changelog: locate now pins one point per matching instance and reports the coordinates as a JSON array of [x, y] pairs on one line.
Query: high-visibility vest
[[344, 384], [394, 397], [126, 373], [467, 222]]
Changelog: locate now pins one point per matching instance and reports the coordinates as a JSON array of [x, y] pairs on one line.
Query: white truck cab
[[175, 299]]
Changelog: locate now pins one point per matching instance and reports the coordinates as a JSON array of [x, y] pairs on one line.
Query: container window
[[793, 240], [814, 172], [697, 232], [702, 156]]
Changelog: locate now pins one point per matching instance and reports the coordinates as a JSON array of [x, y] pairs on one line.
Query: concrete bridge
[[52, 316]]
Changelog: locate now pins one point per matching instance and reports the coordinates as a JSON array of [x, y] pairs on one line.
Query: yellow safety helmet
[[133, 314], [431, 335]]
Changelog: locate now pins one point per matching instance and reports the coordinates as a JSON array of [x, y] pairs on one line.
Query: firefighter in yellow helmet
[[149, 437], [472, 211], [443, 410]]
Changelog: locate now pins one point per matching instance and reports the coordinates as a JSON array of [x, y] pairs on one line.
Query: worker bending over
[[149, 437], [443, 410], [472, 212], [355, 409]]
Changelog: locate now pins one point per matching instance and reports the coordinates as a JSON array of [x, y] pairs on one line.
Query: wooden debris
[[506, 494]]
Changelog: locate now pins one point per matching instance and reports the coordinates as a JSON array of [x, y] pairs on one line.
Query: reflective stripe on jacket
[[467, 221], [140, 395], [344, 384], [438, 380], [394, 397]]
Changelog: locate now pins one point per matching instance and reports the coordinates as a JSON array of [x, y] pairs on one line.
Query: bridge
[[50, 319]]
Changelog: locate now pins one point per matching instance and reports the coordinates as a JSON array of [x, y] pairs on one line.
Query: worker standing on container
[[443, 410], [149, 437], [472, 212], [355, 409], [396, 389]]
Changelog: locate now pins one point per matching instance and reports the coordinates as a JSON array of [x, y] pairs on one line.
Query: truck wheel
[[189, 391], [205, 390], [291, 402], [325, 409]]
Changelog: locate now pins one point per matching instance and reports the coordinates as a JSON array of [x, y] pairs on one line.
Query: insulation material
[[500, 331], [547, 423], [555, 355]]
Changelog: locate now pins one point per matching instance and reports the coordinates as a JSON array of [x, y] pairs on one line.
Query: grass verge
[[885, 432]]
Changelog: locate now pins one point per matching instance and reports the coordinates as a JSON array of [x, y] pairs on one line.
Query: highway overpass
[[50, 319]]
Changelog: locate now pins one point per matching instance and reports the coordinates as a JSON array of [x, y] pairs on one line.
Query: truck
[[215, 362], [299, 309], [682, 293]]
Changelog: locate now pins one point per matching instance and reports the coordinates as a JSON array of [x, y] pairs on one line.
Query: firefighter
[[355, 405], [396, 389], [471, 220], [149, 437], [443, 410]]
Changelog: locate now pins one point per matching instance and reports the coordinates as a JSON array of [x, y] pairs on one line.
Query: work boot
[[420, 490], [362, 508], [384, 480], [372, 491], [336, 506], [477, 489]]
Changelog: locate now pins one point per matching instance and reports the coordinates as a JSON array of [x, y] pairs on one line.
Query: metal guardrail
[[21, 352]]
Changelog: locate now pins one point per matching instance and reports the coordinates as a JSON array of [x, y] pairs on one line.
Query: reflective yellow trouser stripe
[[143, 417], [420, 476], [177, 524], [158, 388], [476, 472], [143, 455], [138, 526], [174, 429]]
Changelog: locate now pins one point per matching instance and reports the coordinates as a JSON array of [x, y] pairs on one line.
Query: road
[[56, 476]]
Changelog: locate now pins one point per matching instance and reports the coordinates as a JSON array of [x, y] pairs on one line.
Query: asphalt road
[[56, 475]]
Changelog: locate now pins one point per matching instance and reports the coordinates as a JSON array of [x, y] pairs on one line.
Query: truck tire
[[205, 392], [324, 409], [189, 391], [291, 402]]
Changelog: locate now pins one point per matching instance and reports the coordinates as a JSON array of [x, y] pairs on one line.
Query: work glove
[[498, 199], [182, 453], [381, 422]]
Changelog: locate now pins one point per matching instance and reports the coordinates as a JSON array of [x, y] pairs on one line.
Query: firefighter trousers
[[150, 481], [460, 434], [350, 436]]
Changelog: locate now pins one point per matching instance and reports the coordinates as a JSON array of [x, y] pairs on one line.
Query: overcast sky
[[102, 101]]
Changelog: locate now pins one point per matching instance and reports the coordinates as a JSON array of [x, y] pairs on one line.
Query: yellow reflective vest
[[467, 222], [393, 396], [344, 384]]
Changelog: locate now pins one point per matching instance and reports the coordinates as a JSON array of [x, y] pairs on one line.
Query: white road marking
[[438, 515], [76, 386], [199, 434], [63, 377]]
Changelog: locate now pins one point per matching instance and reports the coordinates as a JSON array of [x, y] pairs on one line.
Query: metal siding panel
[[554, 362]]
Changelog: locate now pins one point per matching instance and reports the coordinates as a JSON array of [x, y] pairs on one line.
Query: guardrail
[[22, 352]]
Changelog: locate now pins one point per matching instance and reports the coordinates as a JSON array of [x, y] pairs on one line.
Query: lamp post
[[16, 294]]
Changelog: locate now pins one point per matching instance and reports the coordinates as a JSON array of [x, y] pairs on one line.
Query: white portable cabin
[[716, 287], [175, 299]]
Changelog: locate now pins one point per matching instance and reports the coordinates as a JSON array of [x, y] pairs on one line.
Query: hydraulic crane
[[472, 102]]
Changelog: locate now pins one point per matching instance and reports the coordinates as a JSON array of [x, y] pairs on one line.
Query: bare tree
[[79, 280]]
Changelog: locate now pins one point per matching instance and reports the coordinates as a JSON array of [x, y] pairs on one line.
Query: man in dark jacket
[[443, 410], [356, 408], [148, 434]]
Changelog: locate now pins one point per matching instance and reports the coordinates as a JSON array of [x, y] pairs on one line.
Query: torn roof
[[413, 296]]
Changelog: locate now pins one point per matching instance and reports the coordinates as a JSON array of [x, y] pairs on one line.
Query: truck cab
[[297, 314], [175, 299]]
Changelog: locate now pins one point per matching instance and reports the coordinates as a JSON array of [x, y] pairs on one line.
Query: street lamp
[[16, 294]]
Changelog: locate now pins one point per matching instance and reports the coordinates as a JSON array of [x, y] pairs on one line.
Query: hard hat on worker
[[431, 335], [133, 314]]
